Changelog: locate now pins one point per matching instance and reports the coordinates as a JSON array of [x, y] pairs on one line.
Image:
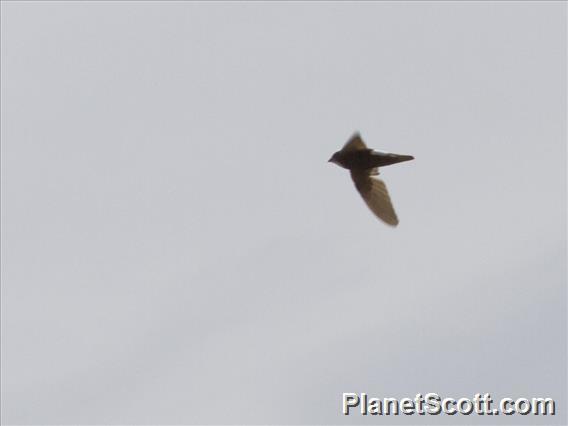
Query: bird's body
[[363, 163], [368, 159]]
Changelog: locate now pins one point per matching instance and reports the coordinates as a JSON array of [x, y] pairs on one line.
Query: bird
[[364, 163]]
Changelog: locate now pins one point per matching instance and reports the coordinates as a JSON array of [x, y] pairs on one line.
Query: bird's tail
[[388, 159], [401, 158]]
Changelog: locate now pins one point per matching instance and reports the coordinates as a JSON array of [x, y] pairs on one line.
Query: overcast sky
[[176, 248]]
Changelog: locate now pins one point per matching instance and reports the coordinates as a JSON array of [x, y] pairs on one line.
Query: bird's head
[[335, 159]]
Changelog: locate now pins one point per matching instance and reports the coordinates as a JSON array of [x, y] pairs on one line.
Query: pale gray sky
[[176, 249]]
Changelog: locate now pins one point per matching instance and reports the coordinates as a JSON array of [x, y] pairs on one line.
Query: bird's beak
[[330, 160]]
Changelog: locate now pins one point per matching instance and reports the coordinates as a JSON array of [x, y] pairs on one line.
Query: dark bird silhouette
[[363, 163]]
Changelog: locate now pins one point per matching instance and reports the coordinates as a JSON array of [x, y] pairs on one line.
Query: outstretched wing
[[355, 143], [375, 194]]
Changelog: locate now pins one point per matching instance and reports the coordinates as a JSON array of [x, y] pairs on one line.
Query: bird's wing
[[375, 194], [355, 143]]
